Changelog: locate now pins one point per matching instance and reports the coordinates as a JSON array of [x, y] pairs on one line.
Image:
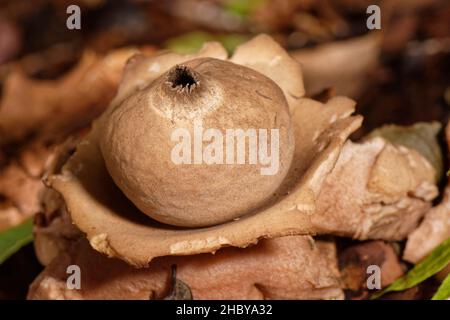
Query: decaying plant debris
[[434, 228], [57, 112], [387, 205], [295, 267], [322, 65], [280, 238], [355, 260], [376, 191], [57, 102]]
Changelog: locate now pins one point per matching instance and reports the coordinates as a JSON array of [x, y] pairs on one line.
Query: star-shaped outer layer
[[117, 228]]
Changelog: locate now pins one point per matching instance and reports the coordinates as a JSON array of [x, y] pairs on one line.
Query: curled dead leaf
[[344, 65], [282, 268], [377, 190], [434, 229], [62, 105]]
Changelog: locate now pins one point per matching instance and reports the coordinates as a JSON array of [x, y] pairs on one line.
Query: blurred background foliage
[[399, 75]]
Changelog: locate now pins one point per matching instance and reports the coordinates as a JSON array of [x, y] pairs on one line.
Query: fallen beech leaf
[[443, 292], [53, 230], [420, 136], [20, 191], [344, 65], [20, 183], [33, 158], [355, 259], [10, 39], [9, 215], [50, 109], [434, 228], [59, 106], [15, 238], [282, 268], [432, 264], [376, 190]]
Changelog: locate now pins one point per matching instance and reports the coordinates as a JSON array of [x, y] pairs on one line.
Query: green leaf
[[15, 238], [231, 41], [192, 42], [443, 292], [437, 260], [243, 8], [422, 136]]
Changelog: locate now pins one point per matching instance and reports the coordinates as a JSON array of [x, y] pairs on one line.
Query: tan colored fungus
[[198, 96], [377, 190], [117, 228], [295, 267]]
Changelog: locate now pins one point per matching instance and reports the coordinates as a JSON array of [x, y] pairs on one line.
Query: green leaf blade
[[191, 42], [243, 8], [432, 264], [443, 292], [13, 239]]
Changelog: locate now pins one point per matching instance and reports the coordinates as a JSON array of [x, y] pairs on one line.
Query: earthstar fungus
[[116, 227], [120, 195]]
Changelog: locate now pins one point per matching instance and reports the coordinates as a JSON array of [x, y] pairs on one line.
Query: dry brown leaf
[[293, 267], [48, 109], [20, 185], [355, 259], [344, 65], [53, 229], [52, 107], [377, 190], [434, 229]]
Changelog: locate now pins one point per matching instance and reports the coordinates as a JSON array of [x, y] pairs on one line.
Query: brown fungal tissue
[[122, 190], [92, 182]]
